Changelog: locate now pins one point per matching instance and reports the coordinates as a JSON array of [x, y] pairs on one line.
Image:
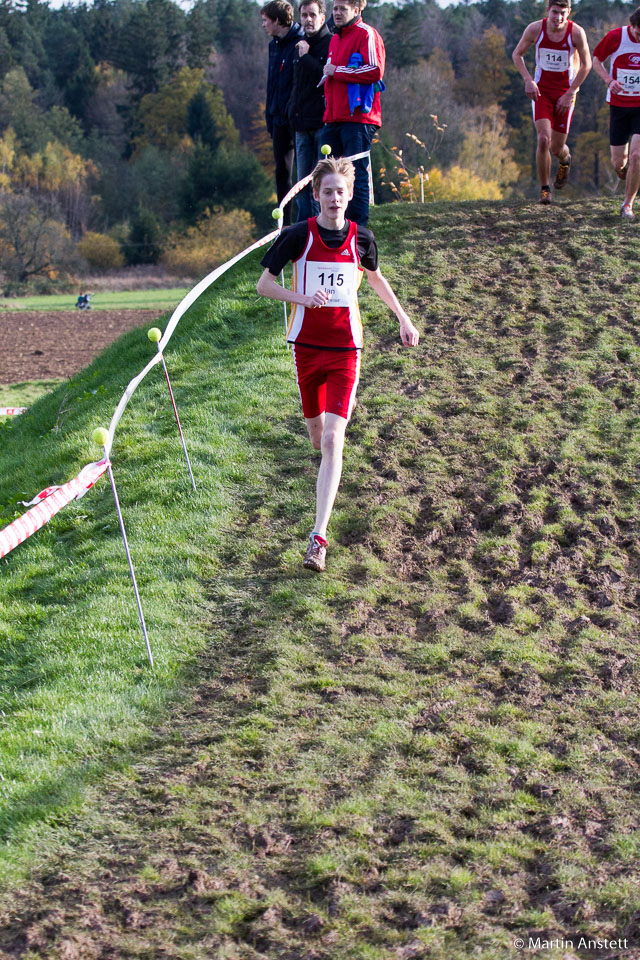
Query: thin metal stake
[[131, 571], [175, 411], [284, 305]]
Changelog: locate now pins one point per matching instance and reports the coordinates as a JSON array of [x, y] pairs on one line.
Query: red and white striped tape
[[48, 503], [11, 411]]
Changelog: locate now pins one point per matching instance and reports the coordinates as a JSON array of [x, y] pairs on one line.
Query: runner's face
[[344, 12], [311, 18], [333, 196], [558, 16]]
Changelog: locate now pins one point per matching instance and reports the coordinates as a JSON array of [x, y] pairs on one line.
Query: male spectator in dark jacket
[[306, 106], [277, 20], [354, 71]]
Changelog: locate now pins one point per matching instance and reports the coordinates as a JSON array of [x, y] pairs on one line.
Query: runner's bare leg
[[330, 471], [632, 183], [620, 157], [559, 146], [315, 426], [543, 154]]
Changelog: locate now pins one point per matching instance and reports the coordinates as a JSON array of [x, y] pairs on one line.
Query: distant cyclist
[[562, 63], [623, 96], [84, 301]]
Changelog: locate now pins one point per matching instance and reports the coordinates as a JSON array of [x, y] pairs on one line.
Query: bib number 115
[[332, 279], [336, 279]]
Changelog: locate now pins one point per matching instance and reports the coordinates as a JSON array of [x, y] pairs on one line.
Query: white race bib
[[630, 80], [556, 61], [337, 279]]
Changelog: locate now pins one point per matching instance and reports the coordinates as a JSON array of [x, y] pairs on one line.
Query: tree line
[[128, 128]]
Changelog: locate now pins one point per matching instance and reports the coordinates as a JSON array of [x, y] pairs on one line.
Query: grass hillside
[[430, 751]]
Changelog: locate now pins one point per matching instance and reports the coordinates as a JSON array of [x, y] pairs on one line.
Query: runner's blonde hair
[[330, 165]]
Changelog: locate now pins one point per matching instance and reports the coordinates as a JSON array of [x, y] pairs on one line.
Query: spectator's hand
[[302, 47], [329, 69], [531, 89], [319, 299]]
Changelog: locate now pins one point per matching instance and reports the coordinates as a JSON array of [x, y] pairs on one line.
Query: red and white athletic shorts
[[327, 380], [544, 108]]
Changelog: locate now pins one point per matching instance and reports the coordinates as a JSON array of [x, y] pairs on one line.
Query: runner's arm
[[268, 286], [581, 45], [381, 286], [603, 73], [580, 41], [527, 40]]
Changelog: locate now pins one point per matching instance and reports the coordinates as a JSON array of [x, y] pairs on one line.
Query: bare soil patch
[[38, 345]]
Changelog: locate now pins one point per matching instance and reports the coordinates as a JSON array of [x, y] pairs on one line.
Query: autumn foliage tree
[[484, 78], [34, 242], [215, 237]]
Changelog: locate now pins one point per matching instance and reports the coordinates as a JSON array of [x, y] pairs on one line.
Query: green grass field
[[118, 300], [430, 751], [26, 393]]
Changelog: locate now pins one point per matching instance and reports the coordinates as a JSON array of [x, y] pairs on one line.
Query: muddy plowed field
[[41, 346]]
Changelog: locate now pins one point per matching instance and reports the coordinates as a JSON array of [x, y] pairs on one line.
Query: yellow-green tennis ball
[[100, 436], [155, 334], [325, 149], [275, 213]]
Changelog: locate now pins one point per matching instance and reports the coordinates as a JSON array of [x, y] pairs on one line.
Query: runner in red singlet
[[623, 96], [560, 45], [329, 256]]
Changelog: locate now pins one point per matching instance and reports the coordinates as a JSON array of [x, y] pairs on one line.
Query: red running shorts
[[327, 380], [544, 108]]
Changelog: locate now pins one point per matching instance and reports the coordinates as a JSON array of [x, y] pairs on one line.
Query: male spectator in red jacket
[[349, 129]]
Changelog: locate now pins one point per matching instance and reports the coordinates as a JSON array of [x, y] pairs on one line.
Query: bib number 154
[[630, 80]]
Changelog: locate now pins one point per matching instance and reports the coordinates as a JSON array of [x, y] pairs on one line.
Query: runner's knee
[[544, 141], [332, 441]]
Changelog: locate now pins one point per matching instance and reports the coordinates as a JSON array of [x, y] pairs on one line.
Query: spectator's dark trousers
[[283, 154], [347, 140]]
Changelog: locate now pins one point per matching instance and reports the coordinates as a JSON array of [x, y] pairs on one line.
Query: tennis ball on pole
[[154, 334], [275, 213], [325, 149], [100, 436]]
